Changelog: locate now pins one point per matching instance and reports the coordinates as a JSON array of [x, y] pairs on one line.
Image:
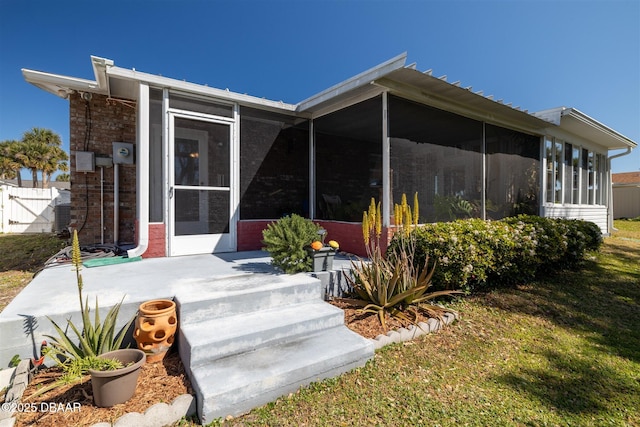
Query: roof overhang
[[123, 83], [356, 87], [576, 122], [391, 76], [63, 86], [437, 92]]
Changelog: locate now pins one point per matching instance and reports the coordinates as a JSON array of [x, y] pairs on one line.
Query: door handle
[[171, 192]]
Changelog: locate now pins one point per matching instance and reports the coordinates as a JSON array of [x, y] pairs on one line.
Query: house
[[186, 168], [626, 195]]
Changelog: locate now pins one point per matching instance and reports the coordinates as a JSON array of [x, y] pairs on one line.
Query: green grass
[[22, 256], [562, 351]]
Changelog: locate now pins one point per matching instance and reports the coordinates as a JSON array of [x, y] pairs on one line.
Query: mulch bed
[[368, 324], [158, 382]]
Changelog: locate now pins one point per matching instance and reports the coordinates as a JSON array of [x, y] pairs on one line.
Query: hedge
[[474, 254]]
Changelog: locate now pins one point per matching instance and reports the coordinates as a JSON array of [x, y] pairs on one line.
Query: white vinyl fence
[[33, 210]]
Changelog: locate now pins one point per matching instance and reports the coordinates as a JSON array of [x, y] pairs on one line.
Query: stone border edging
[[160, 414], [413, 331]]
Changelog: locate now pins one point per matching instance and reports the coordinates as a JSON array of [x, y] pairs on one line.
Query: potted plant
[[113, 386], [322, 254]]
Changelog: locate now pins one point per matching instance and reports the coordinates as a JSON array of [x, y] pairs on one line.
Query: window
[[548, 154], [201, 106], [557, 171], [584, 172], [592, 178], [575, 166], [156, 153], [568, 173]]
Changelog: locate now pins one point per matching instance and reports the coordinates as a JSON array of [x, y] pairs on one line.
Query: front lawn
[[562, 351], [21, 256]]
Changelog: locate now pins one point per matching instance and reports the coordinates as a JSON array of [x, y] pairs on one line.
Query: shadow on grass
[[600, 304], [601, 301], [573, 385]]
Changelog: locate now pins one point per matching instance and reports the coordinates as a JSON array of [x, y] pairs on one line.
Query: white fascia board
[[100, 71], [362, 79], [552, 115], [596, 125], [61, 85], [160, 81]]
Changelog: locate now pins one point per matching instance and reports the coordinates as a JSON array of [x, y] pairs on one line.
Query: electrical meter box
[[123, 153]]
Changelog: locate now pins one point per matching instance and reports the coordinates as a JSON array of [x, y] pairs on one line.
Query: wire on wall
[[87, 139]]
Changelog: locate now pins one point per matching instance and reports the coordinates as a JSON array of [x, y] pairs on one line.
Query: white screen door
[[200, 186]]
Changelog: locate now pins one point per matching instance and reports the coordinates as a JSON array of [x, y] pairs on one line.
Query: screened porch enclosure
[[460, 167]]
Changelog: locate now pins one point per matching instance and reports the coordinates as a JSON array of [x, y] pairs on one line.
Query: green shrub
[[286, 241], [474, 254]]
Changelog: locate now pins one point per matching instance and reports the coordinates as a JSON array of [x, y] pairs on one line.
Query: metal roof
[[391, 76]]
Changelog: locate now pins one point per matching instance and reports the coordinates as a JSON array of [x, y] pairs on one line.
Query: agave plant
[[94, 338]]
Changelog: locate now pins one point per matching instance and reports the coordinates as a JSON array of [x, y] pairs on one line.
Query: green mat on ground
[[98, 262]]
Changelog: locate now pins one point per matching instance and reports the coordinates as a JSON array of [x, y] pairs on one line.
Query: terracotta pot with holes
[[156, 328]]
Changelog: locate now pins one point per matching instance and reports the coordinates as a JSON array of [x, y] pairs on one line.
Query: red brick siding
[[347, 234], [157, 240], [94, 126], [250, 234]]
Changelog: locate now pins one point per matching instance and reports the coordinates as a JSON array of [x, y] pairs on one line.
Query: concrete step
[[203, 342], [204, 300], [235, 385]]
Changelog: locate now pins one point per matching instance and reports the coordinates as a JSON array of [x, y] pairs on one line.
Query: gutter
[[610, 210]]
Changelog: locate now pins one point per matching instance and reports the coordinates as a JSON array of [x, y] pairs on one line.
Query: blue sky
[[535, 54]]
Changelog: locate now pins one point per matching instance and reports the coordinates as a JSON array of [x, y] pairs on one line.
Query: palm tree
[[63, 177], [56, 162], [41, 151], [10, 164]]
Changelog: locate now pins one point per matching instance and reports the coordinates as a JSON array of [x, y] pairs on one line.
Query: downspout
[[610, 184], [386, 167], [142, 172]]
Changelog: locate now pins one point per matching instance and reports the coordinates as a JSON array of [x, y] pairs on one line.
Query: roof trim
[[583, 125], [358, 81], [197, 88], [59, 85]]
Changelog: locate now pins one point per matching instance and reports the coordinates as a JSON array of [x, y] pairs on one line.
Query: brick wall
[[94, 126]]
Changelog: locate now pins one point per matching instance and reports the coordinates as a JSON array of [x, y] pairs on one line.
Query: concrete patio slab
[[54, 293]]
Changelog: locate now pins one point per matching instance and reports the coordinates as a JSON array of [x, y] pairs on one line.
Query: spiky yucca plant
[[286, 241], [95, 338]]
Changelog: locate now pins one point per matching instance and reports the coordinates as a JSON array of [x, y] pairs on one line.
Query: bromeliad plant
[[392, 284], [94, 338]]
